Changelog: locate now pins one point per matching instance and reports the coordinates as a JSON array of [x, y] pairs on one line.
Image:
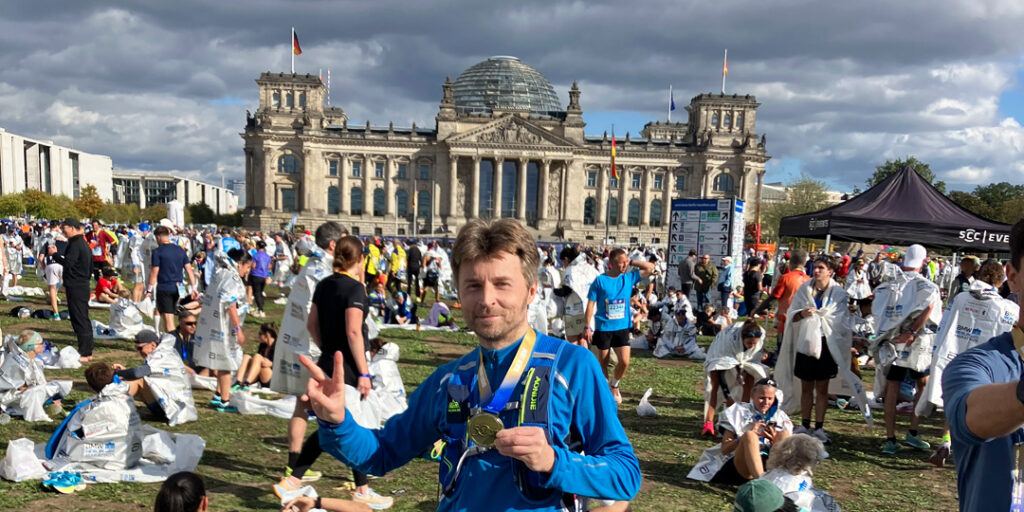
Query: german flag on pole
[[615, 172], [296, 49]]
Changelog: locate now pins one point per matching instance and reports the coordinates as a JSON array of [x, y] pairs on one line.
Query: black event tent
[[902, 210]]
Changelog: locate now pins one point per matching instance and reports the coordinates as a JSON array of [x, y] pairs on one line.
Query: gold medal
[[483, 429]]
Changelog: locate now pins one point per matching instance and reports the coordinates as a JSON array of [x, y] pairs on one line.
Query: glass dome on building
[[505, 83]]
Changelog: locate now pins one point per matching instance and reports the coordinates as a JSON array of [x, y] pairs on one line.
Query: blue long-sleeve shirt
[[725, 277], [982, 465], [579, 397]]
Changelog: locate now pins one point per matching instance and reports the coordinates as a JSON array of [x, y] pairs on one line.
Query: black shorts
[[430, 279], [808, 368], [167, 302], [898, 373], [730, 476], [604, 340]]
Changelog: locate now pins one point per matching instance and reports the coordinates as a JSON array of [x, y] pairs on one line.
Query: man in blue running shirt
[[505, 442], [609, 297]]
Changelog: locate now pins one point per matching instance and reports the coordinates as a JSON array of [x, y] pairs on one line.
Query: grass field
[[246, 455]]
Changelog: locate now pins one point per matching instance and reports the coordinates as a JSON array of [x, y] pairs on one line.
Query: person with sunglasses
[[185, 339], [749, 430], [161, 382], [735, 360]]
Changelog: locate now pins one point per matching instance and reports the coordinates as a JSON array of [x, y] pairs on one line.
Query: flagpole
[[725, 69], [291, 51], [670, 103]]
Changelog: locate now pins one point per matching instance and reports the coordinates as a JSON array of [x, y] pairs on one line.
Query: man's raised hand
[[326, 396]]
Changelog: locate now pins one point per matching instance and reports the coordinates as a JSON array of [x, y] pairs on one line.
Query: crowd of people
[[909, 314]]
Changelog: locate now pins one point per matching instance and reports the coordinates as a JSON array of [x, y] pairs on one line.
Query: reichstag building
[[502, 145]]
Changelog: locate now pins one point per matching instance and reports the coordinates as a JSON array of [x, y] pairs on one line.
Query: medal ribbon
[[496, 402]]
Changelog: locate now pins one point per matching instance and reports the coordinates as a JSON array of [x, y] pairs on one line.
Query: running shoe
[[820, 435], [374, 500], [842, 403], [802, 430], [940, 456], [891, 447], [308, 476], [916, 442], [284, 486], [215, 401], [617, 395], [708, 430], [227, 407]]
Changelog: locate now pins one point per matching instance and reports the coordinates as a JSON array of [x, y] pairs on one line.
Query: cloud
[[843, 86]]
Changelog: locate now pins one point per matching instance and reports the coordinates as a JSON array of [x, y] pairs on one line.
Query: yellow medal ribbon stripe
[[514, 372]]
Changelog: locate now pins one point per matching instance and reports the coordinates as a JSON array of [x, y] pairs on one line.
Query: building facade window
[[302, 100], [357, 169], [333, 200], [655, 220], [332, 167], [378, 170], [680, 182], [355, 206], [288, 164], [402, 171], [727, 120], [589, 211], [724, 183], [613, 211], [289, 100], [613, 183], [739, 120], [635, 178], [275, 100], [424, 172], [288, 200], [633, 214], [379, 205], [423, 204], [402, 203], [658, 181], [591, 179], [714, 119]]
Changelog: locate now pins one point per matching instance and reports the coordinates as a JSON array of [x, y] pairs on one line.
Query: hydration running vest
[[532, 409]]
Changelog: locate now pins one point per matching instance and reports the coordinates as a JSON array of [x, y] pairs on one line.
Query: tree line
[[40, 205]]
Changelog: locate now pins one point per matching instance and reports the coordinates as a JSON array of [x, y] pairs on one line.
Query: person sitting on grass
[[22, 381], [749, 432], [401, 312], [734, 361], [378, 303], [705, 321], [722, 318], [790, 466], [259, 367], [108, 288], [162, 381]]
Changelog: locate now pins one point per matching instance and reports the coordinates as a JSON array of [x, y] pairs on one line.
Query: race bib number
[[617, 309]]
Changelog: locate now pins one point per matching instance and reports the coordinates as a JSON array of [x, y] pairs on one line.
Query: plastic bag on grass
[[645, 408], [157, 446], [21, 462]]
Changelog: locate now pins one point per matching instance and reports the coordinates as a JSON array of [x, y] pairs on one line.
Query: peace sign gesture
[[326, 396]]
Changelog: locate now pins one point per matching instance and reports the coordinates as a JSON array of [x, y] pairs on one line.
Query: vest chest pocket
[[458, 404]]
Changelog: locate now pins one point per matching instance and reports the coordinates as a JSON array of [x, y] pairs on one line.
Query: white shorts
[[54, 273]]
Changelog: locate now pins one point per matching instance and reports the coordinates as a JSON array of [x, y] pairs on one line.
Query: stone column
[[499, 162], [603, 178], [269, 194], [343, 170], [453, 187], [474, 199], [542, 184], [623, 207], [521, 189], [668, 185], [645, 197], [368, 165], [389, 188]]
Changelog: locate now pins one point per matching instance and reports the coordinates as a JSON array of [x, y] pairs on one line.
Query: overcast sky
[[844, 86]]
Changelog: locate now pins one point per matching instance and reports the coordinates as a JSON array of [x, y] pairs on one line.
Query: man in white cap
[[907, 312]]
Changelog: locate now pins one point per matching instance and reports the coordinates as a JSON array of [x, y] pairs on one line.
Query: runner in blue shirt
[[609, 296], [537, 443], [983, 392]]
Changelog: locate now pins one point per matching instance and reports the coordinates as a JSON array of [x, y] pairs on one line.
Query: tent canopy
[[903, 209]]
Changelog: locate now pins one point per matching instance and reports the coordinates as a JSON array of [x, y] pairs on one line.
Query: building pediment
[[509, 130]]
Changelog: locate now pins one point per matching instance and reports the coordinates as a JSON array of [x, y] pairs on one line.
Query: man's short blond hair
[[483, 239]]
